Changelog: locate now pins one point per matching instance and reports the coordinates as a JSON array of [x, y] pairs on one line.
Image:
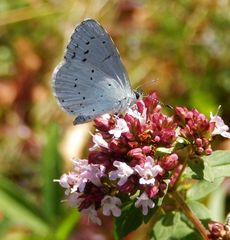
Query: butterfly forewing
[[90, 43]]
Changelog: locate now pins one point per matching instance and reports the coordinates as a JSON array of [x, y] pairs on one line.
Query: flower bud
[[169, 162], [152, 191], [216, 230]]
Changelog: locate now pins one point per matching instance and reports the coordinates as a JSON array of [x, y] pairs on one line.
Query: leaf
[[220, 163], [172, 226], [130, 219], [203, 188], [208, 172], [217, 204], [19, 207], [210, 167], [196, 168], [51, 169], [218, 158], [162, 151], [200, 210]]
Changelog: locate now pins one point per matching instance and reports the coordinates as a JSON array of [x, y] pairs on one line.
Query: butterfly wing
[[78, 94], [91, 80], [92, 44]]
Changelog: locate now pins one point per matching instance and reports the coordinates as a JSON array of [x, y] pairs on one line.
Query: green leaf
[[208, 172], [217, 204], [210, 167], [19, 207], [203, 188], [195, 168], [51, 169], [130, 219], [173, 226], [218, 158], [219, 161], [200, 210], [162, 150]]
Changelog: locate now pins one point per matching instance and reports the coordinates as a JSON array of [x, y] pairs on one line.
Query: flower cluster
[[134, 156], [219, 231]]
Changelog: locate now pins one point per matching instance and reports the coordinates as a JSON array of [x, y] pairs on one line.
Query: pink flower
[[123, 172], [144, 202], [220, 127], [148, 172], [75, 199], [87, 172], [92, 214], [80, 164], [94, 173], [110, 205], [98, 142], [120, 127], [69, 181], [141, 116]]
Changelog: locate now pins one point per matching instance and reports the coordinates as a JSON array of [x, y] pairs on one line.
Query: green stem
[[190, 215]]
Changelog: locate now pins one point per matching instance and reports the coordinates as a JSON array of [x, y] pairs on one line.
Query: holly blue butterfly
[[91, 80]]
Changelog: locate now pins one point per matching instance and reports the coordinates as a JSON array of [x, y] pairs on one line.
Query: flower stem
[[190, 215]]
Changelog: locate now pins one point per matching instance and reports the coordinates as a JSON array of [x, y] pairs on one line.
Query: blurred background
[[179, 48]]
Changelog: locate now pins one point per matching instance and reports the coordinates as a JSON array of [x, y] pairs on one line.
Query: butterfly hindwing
[[74, 87]]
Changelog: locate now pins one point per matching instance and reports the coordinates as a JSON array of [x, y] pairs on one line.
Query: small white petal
[[120, 127], [220, 127], [123, 172], [145, 202]]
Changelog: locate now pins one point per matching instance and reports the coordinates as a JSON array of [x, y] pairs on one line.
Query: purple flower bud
[[169, 162], [208, 151], [199, 142], [216, 230], [152, 191], [146, 150]]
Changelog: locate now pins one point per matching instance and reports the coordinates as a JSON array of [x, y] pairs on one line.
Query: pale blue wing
[[76, 91], [90, 43]]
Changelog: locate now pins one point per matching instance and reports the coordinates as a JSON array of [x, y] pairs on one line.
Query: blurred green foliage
[[179, 48]]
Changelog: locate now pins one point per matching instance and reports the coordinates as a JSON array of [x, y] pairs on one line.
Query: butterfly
[[91, 80]]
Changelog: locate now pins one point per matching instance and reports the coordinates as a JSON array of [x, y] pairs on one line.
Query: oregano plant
[[150, 167]]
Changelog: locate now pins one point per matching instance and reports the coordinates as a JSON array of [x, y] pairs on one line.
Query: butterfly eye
[[137, 95]]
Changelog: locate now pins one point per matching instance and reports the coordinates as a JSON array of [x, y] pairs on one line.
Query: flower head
[[195, 128], [127, 162]]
